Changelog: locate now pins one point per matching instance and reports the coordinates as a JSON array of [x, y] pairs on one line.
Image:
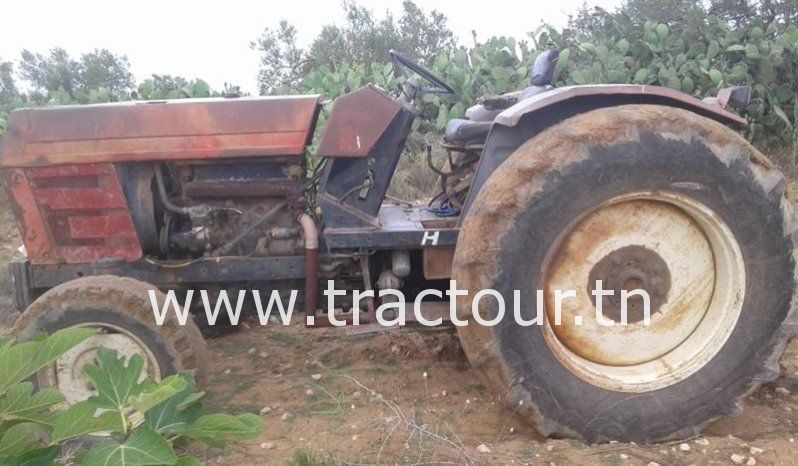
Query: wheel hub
[[627, 269], [67, 373]]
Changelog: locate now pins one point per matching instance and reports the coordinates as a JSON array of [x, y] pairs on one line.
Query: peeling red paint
[[61, 223]]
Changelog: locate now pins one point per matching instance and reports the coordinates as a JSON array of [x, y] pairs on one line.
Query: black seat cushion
[[463, 132]]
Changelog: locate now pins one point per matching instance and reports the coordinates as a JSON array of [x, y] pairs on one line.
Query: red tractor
[[639, 187]]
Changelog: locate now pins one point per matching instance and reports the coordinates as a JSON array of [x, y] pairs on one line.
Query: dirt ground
[[409, 398]]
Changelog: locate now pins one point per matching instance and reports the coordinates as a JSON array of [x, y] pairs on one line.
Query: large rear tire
[[638, 196], [120, 309]]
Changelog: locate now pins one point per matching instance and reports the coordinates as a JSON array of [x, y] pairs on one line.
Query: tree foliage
[[282, 60], [9, 93], [697, 48], [164, 86], [8, 87], [102, 68], [360, 42], [58, 72]]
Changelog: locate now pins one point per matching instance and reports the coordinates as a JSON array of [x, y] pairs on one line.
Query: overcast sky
[[210, 39]]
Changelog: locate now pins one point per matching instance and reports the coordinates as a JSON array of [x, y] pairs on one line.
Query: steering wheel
[[404, 64]]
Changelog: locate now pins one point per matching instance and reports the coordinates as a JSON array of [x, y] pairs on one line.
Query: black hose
[[164, 197], [366, 184]]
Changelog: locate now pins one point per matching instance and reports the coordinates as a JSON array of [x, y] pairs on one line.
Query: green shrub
[[699, 60], [138, 421]]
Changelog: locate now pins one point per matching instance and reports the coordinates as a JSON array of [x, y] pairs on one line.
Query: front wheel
[[120, 309], [637, 197]]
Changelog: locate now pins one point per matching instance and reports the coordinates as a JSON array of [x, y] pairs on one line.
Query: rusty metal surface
[[438, 262], [181, 272], [72, 214], [629, 268], [352, 189], [246, 189], [160, 130], [558, 96], [672, 240], [399, 227], [357, 122]]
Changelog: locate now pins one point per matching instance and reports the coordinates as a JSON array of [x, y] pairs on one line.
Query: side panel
[[160, 130], [357, 122], [72, 214], [358, 173], [437, 262], [517, 124]]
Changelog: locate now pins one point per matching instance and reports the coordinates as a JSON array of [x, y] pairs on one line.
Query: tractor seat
[[463, 132]]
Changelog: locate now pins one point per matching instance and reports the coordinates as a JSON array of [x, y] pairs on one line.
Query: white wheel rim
[[673, 247], [67, 373]]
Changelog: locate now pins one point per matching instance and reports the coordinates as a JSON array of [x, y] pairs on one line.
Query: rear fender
[[517, 124]]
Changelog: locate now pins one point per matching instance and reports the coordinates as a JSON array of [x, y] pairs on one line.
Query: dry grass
[[424, 433], [413, 180]]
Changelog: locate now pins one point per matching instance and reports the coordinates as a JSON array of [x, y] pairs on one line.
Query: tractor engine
[[215, 209], [161, 180]]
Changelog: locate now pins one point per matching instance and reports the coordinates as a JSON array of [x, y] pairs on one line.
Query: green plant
[[698, 58], [137, 420], [161, 87], [698, 55], [304, 457], [24, 414]]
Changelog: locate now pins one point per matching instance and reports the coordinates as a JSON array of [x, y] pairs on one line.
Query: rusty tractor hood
[[190, 129]]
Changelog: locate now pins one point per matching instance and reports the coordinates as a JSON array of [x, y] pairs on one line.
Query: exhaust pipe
[[311, 235]]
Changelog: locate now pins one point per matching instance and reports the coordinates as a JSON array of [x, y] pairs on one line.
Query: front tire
[[120, 308], [638, 196]]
